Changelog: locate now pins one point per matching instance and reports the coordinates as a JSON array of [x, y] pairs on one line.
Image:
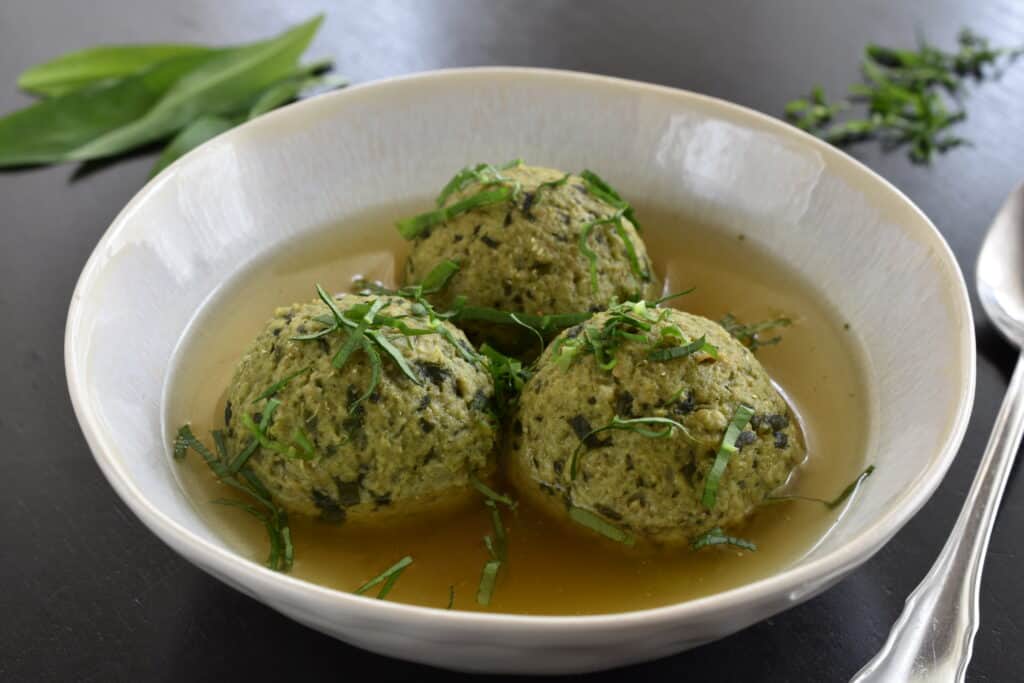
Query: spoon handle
[[933, 638]]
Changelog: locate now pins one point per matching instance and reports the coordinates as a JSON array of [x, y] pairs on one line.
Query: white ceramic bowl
[[872, 253]]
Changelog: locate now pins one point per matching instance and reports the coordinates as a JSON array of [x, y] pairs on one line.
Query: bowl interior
[[868, 251]]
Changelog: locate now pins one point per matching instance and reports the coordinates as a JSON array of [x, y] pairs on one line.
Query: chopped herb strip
[[717, 537], [907, 94], [439, 276], [499, 547], [274, 519], [509, 375], [600, 525], [750, 335], [220, 445], [488, 578], [670, 297], [490, 494], [299, 447], [549, 185], [364, 326], [395, 354], [630, 321], [691, 348], [388, 577], [546, 324], [485, 174], [411, 228], [540, 337], [602, 190], [281, 383], [589, 253], [739, 421], [835, 502], [629, 425], [451, 597], [243, 456]]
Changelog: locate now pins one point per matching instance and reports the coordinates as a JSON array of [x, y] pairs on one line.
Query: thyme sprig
[[912, 97], [244, 480]]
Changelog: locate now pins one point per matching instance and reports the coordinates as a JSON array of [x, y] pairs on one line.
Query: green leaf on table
[[196, 133], [152, 105], [288, 90], [104, 64]]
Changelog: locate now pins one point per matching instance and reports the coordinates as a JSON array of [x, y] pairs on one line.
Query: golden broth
[[551, 568]]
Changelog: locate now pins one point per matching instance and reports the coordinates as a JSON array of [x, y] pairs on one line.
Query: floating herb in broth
[[555, 567]]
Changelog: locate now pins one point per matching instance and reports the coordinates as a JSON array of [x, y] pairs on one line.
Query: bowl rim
[[811, 576]]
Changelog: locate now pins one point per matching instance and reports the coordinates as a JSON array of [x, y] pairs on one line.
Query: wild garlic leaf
[[222, 85], [152, 105], [103, 64], [196, 133], [51, 130]]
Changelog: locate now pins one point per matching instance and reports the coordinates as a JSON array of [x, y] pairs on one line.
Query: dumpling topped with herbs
[[529, 240], [361, 405], [654, 423]]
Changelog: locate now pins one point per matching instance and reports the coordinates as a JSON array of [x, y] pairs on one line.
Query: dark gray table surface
[[89, 594]]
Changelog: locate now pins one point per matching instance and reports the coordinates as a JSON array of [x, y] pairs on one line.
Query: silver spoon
[[933, 638]]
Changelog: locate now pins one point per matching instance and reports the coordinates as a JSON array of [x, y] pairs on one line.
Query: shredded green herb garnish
[[498, 549], [509, 375], [717, 537], [602, 190], [750, 335], [388, 577], [626, 322], [545, 324], [700, 344], [740, 419], [549, 185], [634, 425], [281, 383], [411, 228], [830, 504], [365, 327], [540, 337], [600, 525], [490, 494], [439, 276], [488, 578], [907, 95], [244, 480]]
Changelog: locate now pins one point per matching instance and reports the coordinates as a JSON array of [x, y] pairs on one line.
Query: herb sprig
[[109, 100], [908, 95], [244, 480]]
